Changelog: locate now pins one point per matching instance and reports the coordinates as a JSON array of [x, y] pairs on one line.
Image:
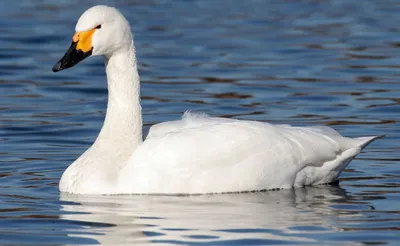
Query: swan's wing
[[219, 156]]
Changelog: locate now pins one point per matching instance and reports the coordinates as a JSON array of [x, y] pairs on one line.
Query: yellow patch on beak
[[84, 40]]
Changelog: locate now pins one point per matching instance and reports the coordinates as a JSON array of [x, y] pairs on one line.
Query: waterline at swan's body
[[197, 154]]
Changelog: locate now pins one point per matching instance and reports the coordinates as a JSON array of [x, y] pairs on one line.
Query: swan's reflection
[[272, 215]]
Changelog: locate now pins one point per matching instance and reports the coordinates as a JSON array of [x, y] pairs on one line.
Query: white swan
[[197, 154]]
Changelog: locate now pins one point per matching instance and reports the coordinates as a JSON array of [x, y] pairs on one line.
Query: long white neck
[[120, 135], [123, 122]]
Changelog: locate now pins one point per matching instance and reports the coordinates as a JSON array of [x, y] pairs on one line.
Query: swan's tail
[[338, 165], [330, 171], [344, 159], [364, 141]]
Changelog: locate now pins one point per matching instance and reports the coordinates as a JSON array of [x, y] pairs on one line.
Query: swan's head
[[101, 30]]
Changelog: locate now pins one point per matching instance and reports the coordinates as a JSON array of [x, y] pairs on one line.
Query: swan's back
[[201, 154]]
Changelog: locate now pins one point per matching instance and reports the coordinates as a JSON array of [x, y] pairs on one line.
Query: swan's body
[[197, 154]]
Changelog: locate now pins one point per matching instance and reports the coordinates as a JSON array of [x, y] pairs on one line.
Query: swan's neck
[[123, 122]]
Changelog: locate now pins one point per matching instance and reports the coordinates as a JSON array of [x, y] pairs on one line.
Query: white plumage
[[200, 154], [197, 154]]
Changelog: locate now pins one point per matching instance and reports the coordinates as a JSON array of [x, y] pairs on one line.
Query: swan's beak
[[81, 47]]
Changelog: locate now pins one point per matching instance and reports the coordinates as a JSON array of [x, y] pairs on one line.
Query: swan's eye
[[98, 27]]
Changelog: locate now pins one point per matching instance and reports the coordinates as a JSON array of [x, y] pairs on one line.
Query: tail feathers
[[330, 170], [364, 141]]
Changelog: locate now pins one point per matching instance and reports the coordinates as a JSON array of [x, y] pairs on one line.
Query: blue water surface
[[334, 62]]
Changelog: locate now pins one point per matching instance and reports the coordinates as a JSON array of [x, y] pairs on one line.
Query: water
[[298, 62]]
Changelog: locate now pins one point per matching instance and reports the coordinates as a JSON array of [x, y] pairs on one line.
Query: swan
[[197, 154]]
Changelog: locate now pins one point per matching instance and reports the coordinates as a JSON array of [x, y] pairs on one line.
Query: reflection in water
[[273, 216]]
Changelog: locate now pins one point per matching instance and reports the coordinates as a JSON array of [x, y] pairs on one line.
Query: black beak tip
[[71, 58], [57, 67]]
